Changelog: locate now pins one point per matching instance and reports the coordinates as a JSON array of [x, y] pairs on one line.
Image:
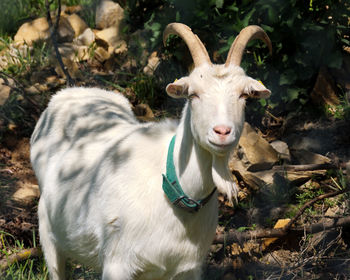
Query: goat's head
[[217, 93]]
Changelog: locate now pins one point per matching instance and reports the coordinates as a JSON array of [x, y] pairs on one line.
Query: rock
[[4, 92], [68, 10], [77, 24], [279, 224], [121, 47], [324, 91], [109, 13], [327, 240], [306, 157], [67, 50], [82, 53], [153, 62], [26, 193], [38, 29], [258, 151], [86, 38], [276, 176], [101, 54], [72, 67], [143, 112], [111, 38], [282, 149]]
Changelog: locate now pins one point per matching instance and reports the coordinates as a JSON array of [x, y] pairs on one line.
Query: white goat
[[100, 171]]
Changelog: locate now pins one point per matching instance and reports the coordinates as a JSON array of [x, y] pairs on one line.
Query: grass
[[32, 268]]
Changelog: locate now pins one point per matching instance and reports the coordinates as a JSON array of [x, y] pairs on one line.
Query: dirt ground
[[292, 257]]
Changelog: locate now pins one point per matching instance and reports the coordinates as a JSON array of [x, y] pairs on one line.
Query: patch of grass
[[24, 59], [35, 268], [32, 268], [340, 111]]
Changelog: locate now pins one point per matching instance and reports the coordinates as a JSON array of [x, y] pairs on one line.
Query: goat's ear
[[178, 89], [256, 89]]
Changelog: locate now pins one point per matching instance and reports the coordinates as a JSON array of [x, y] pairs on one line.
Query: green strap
[[172, 187]]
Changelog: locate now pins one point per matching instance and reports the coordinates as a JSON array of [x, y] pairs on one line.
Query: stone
[[38, 29], [153, 62], [279, 224], [82, 53], [324, 91], [4, 92], [258, 151], [26, 193], [77, 24], [72, 67], [306, 157], [86, 38], [108, 13], [101, 54], [110, 37], [143, 112], [282, 149]]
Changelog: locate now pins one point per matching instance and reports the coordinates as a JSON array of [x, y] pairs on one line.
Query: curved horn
[[198, 51], [247, 34]]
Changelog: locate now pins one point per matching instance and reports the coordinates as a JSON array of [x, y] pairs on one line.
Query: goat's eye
[[193, 95], [244, 95]]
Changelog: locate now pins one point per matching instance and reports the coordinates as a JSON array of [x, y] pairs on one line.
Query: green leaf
[[247, 18], [267, 28], [335, 60], [292, 93], [262, 102], [288, 77], [219, 3]]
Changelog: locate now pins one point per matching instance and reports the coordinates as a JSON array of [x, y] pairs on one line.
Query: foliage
[[305, 35]]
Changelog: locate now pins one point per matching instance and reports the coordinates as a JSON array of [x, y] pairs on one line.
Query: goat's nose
[[222, 130]]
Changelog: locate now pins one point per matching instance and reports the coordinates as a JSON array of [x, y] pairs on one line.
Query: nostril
[[222, 130]]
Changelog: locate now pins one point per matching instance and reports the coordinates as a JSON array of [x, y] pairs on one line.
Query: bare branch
[[236, 236], [305, 167], [54, 29]]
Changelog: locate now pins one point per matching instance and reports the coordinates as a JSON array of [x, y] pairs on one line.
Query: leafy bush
[[305, 35]]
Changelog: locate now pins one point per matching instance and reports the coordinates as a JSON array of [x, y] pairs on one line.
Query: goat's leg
[[194, 274], [115, 270], [54, 260]]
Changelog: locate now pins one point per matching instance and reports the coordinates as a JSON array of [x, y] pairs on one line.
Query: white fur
[[100, 176]]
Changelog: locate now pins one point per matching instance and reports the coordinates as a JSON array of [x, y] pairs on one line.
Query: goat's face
[[217, 95]]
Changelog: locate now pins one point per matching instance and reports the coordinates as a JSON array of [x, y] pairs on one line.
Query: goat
[[100, 170]]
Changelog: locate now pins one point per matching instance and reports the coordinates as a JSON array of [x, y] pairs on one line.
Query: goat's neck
[[197, 169]]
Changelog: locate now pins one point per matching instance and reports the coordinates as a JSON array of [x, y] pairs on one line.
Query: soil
[[292, 257], [17, 216]]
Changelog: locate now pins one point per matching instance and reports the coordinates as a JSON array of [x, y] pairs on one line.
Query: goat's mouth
[[220, 145]]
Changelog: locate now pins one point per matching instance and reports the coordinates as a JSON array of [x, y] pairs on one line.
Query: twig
[[305, 167], [19, 256], [7, 76], [310, 203], [53, 29], [20, 88], [236, 236]]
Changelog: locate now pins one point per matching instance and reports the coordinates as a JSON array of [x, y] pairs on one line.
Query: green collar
[[172, 187]]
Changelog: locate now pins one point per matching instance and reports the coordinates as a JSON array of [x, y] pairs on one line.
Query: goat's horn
[[198, 51], [247, 34]]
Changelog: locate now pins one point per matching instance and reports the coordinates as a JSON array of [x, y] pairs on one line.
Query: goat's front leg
[[194, 274], [117, 271]]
